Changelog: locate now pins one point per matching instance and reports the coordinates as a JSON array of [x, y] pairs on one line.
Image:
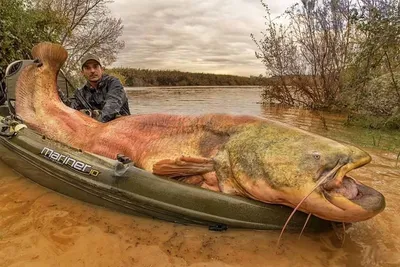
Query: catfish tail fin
[[49, 53]]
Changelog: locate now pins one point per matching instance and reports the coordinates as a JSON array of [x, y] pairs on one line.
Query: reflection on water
[[39, 227]]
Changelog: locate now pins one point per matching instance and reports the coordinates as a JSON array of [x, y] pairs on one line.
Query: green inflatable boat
[[119, 185]]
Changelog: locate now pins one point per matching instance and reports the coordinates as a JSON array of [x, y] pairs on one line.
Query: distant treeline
[[146, 77]]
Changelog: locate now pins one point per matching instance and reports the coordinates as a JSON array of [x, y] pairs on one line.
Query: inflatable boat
[[119, 185]]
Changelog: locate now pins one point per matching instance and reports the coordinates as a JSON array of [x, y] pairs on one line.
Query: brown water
[[39, 227]]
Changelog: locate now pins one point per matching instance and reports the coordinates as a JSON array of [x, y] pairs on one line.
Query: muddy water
[[39, 227]]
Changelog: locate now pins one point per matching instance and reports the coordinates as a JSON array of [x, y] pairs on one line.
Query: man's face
[[92, 71]]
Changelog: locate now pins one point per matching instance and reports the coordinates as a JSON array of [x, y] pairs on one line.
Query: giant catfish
[[246, 156]]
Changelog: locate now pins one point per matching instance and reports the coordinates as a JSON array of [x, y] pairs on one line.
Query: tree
[[307, 55], [22, 26], [374, 74], [333, 54], [89, 29]]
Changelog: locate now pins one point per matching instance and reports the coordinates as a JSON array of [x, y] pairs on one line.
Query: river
[[39, 227]]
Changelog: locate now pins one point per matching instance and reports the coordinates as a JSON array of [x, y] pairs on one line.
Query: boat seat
[[11, 76]]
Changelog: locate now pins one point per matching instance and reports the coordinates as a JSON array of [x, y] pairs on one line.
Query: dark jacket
[[3, 93], [109, 97]]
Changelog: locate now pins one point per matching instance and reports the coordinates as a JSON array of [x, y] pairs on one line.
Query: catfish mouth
[[349, 195], [347, 189], [364, 196]]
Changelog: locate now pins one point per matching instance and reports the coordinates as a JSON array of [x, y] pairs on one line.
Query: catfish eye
[[316, 155]]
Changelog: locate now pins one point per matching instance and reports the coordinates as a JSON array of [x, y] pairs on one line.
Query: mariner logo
[[66, 160]]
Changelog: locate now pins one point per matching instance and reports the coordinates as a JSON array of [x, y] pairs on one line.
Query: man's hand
[[96, 114], [87, 112]]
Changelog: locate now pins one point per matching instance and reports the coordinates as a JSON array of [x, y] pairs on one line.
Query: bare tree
[[306, 51], [335, 54], [89, 28]]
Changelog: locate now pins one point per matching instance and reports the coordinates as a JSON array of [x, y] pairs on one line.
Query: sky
[[210, 36]]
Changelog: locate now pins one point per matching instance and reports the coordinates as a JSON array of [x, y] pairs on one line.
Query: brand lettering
[[68, 161]]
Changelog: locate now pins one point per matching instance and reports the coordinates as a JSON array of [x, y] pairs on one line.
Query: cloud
[[210, 36]]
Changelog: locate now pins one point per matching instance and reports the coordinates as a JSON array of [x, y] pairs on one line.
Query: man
[[103, 97]]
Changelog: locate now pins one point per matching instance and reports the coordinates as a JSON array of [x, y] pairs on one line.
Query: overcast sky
[[211, 36]]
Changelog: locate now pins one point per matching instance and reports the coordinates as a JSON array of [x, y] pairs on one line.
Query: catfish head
[[279, 164]]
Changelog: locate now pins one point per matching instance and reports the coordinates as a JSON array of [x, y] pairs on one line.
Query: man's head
[[91, 68]]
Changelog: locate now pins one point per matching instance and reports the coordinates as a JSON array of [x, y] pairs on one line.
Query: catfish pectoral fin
[[183, 166]]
